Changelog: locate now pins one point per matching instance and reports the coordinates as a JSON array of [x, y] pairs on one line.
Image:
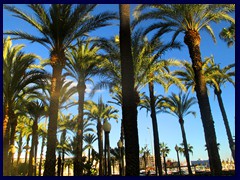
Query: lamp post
[[179, 166], [120, 144], [107, 129]]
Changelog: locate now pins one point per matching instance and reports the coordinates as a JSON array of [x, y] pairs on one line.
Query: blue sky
[[168, 126]]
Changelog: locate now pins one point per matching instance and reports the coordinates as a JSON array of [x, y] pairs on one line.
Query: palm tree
[[190, 19], [228, 35], [17, 75], [217, 80], [89, 139], [35, 111], [19, 140], [179, 105], [215, 77], [182, 149], [59, 26], [129, 107], [165, 151], [145, 153], [69, 164], [65, 124], [42, 133], [100, 112], [83, 63]]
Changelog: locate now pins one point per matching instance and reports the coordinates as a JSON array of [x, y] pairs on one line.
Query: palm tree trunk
[[165, 164], [32, 151], [225, 120], [129, 105], [59, 165], [41, 155], [122, 149], [89, 155], [12, 139], [192, 40], [6, 128], [158, 163], [79, 165], [100, 147], [19, 147], [35, 155], [63, 161], [26, 155], [49, 168], [186, 153]]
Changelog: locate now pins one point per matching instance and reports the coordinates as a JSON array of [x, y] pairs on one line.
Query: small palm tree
[[164, 149], [100, 112], [182, 150], [42, 133], [89, 139], [179, 105], [145, 153], [36, 110]]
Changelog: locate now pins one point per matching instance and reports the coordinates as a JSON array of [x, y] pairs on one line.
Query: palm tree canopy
[[179, 105], [59, 24], [18, 71], [100, 111], [83, 61], [217, 76], [89, 139], [182, 150], [164, 149], [228, 35], [183, 17]]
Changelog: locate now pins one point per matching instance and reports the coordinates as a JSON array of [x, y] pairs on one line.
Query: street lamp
[[107, 129], [179, 166], [120, 144]]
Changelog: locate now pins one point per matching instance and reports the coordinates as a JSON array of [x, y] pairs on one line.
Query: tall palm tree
[[215, 77], [228, 35], [129, 107], [164, 151], [100, 112], [17, 76], [83, 63], [217, 80], [179, 105], [58, 26], [190, 19]]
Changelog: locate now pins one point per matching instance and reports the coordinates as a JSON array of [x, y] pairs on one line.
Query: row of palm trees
[[129, 63]]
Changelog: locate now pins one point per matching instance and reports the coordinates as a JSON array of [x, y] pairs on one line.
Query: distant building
[[200, 162]]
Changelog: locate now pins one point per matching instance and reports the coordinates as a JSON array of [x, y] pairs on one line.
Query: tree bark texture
[[49, 168], [192, 40]]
